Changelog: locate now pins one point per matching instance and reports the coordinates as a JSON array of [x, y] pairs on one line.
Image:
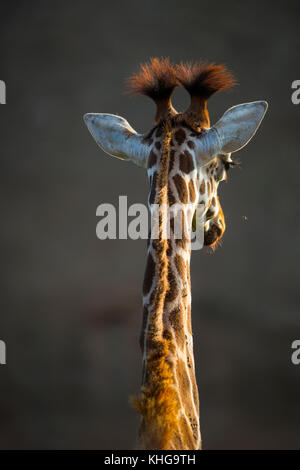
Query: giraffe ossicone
[[186, 159]]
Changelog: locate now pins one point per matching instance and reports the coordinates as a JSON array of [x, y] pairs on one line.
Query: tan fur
[[158, 402]]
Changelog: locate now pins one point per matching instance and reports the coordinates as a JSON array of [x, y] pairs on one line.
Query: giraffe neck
[[169, 399]]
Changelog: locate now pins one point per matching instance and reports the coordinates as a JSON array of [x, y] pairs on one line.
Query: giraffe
[[185, 159]]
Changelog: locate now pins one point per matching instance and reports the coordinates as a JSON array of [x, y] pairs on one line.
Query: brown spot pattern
[[179, 136], [180, 266], [152, 159], [186, 162], [172, 159], [181, 188], [153, 189], [202, 187], [176, 321], [210, 213], [171, 198], [181, 242], [149, 141], [167, 335], [192, 191], [169, 249], [172, 292], [159, 131]]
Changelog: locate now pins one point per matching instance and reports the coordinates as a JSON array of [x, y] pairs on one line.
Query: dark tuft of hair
[[203, 80], [156, 79]]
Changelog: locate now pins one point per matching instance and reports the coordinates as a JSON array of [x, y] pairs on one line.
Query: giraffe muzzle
[[214, 233]]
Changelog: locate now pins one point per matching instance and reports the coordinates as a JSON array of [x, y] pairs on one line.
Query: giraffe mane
[[162, 201]]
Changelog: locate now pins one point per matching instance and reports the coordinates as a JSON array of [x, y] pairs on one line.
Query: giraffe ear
[[232, 132], [117, 138], [239, 124]]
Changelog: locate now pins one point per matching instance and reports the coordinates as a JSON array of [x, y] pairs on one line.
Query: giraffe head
[[200, 154]]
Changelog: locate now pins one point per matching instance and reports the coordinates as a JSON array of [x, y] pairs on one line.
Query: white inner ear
[[239, 124], [231, 133], [116, 137]]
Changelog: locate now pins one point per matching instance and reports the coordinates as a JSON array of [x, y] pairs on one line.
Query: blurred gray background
[[70, 303]]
